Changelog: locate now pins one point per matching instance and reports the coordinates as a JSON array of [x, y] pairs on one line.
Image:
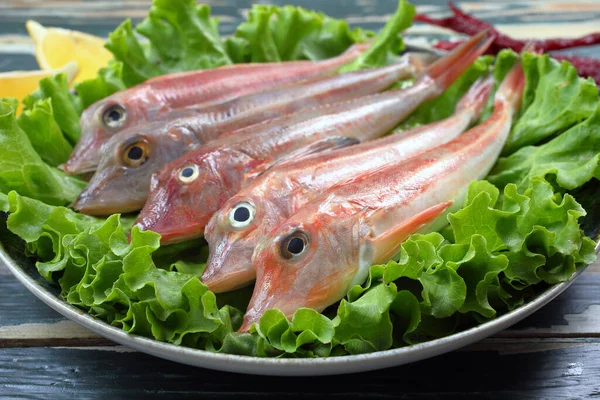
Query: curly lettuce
[[21, 167]]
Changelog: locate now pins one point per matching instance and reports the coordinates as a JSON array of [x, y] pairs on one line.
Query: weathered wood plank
[[60, 333], [527, 370], [100, 17]]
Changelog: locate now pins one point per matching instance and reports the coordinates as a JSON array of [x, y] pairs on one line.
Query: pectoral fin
[[332, 143], [385, 245]]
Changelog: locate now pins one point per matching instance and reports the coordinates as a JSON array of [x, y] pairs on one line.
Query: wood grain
[[554, 354], [540, 369]]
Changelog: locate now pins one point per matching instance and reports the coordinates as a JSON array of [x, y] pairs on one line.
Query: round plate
[[28, 276]]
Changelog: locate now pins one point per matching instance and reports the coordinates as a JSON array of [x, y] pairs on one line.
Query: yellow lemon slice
[[54, 47], [21, 83]]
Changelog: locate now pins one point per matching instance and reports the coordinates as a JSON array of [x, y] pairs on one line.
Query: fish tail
[[476, 97], [448, 68], [512, 86], [422, 61]]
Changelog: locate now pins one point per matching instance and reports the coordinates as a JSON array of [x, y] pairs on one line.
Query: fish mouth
[[229, 267], [95, 200], [228, 282], [99, 207], [169, 235], [83, 159]]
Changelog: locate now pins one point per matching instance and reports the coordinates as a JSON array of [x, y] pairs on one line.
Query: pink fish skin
[[163, 94], [314, 257], [179, 207], [234, 231], [121, 184]]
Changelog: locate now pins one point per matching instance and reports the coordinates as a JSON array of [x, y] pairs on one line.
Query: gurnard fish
[[187, 192], [162, 94], [130, 157], [314, 257], [234, 231]]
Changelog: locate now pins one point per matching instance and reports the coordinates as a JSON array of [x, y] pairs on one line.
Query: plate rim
[[286, 366]]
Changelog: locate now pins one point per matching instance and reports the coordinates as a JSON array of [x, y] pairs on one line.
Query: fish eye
[[241, 215], [188, 174], [136, 153], [114, 116], [294, 245]]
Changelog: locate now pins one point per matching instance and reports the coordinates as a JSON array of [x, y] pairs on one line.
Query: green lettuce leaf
[[539, 225], [560, 99], [45, 135], [99, 271], [364, 325], [316, 36], [66, 106], [388, 43], [571, 159], [3, 202], [182, 36], [23, 170], [108, 81]]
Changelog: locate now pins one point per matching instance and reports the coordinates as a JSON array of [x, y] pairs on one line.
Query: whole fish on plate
[[234, 230], [130, 157], [186, 192], [314, 257], [165, 93]]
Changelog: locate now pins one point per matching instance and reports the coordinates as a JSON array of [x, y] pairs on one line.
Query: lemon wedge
[[19, 84], [55, 47]]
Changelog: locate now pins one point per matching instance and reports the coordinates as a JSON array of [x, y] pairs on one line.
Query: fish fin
[[385, 245], [512, 86], [328, 144], [476, 97], [448, 68]]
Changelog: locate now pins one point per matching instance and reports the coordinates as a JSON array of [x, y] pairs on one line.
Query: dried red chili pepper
[[467, 24], [586, 67], [464, 23]]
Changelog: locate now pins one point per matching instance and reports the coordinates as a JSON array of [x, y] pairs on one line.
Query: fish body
[[234, 231], [162, 140], [163, 94], [179, 207], [315, 256]]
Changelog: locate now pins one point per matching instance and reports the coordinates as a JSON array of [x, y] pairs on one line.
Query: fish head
[[184, 194], [122, 180], [310, 260], [99, 122], [232, 234]]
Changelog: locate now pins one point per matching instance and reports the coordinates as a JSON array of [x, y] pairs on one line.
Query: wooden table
[[553, 354]]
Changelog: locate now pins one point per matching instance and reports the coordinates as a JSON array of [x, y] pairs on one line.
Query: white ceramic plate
[[29, 277]]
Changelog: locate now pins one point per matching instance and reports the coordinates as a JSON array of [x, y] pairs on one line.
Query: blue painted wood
[[513, 369], [530, 370], [100, 17]]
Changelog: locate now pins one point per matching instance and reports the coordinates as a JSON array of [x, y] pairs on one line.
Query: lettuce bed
[[518, 231]]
